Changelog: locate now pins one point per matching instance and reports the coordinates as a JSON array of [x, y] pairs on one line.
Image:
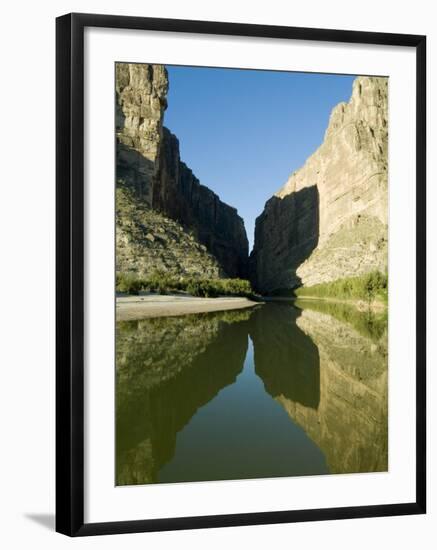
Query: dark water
[[277, 390]]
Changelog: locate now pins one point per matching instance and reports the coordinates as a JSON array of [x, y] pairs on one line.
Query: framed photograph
[[240, 274]]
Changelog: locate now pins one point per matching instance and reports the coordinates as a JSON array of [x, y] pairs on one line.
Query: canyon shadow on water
[[278, 390]]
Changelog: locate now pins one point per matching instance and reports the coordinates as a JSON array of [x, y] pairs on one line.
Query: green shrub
[[236, 287], [203, 288], [128, 283], [211, 288], [365, 287]]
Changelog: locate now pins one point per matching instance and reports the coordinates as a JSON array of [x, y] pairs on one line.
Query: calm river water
[[277, 390]]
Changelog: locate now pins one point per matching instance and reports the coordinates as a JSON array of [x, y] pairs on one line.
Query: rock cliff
[[148, 162], [330, 218]]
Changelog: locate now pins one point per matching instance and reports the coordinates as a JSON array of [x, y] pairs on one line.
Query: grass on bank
[[164, 284], [369, 287]]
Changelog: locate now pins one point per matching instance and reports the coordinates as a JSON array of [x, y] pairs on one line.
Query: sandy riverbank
[[140, 307]]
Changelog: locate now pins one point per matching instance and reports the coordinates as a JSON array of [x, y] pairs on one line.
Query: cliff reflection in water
[[166, 369], [326, 373], [350, 423], [286, 360]]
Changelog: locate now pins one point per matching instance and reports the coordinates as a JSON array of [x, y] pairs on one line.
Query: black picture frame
[[70, 273]]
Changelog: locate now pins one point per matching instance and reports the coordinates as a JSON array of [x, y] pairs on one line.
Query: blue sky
[[243, 132]]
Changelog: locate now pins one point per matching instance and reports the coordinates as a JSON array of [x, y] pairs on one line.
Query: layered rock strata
[[330, 218], [148, 162]]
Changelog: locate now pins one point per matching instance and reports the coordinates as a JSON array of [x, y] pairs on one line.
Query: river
[[282, 389]]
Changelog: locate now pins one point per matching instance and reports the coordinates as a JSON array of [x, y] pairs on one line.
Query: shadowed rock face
[[286, 234], [148, 161], [179, 194], [345, 218]]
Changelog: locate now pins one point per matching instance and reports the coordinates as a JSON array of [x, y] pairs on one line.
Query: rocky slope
[[330, 218], [148, 162], [148, 241]]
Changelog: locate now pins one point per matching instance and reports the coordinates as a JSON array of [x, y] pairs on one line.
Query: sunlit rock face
[[349, 423], [141, 92], [167, 368], [340, 228], [148, 162]]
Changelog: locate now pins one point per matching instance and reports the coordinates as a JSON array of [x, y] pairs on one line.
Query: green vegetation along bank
[[164, 284], [371, 287]]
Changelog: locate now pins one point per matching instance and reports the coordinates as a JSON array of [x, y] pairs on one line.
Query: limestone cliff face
[[330, 218], [148, 161], [140, 103]]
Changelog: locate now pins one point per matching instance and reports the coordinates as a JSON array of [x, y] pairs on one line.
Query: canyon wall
[[329, 220], [148, 163]]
